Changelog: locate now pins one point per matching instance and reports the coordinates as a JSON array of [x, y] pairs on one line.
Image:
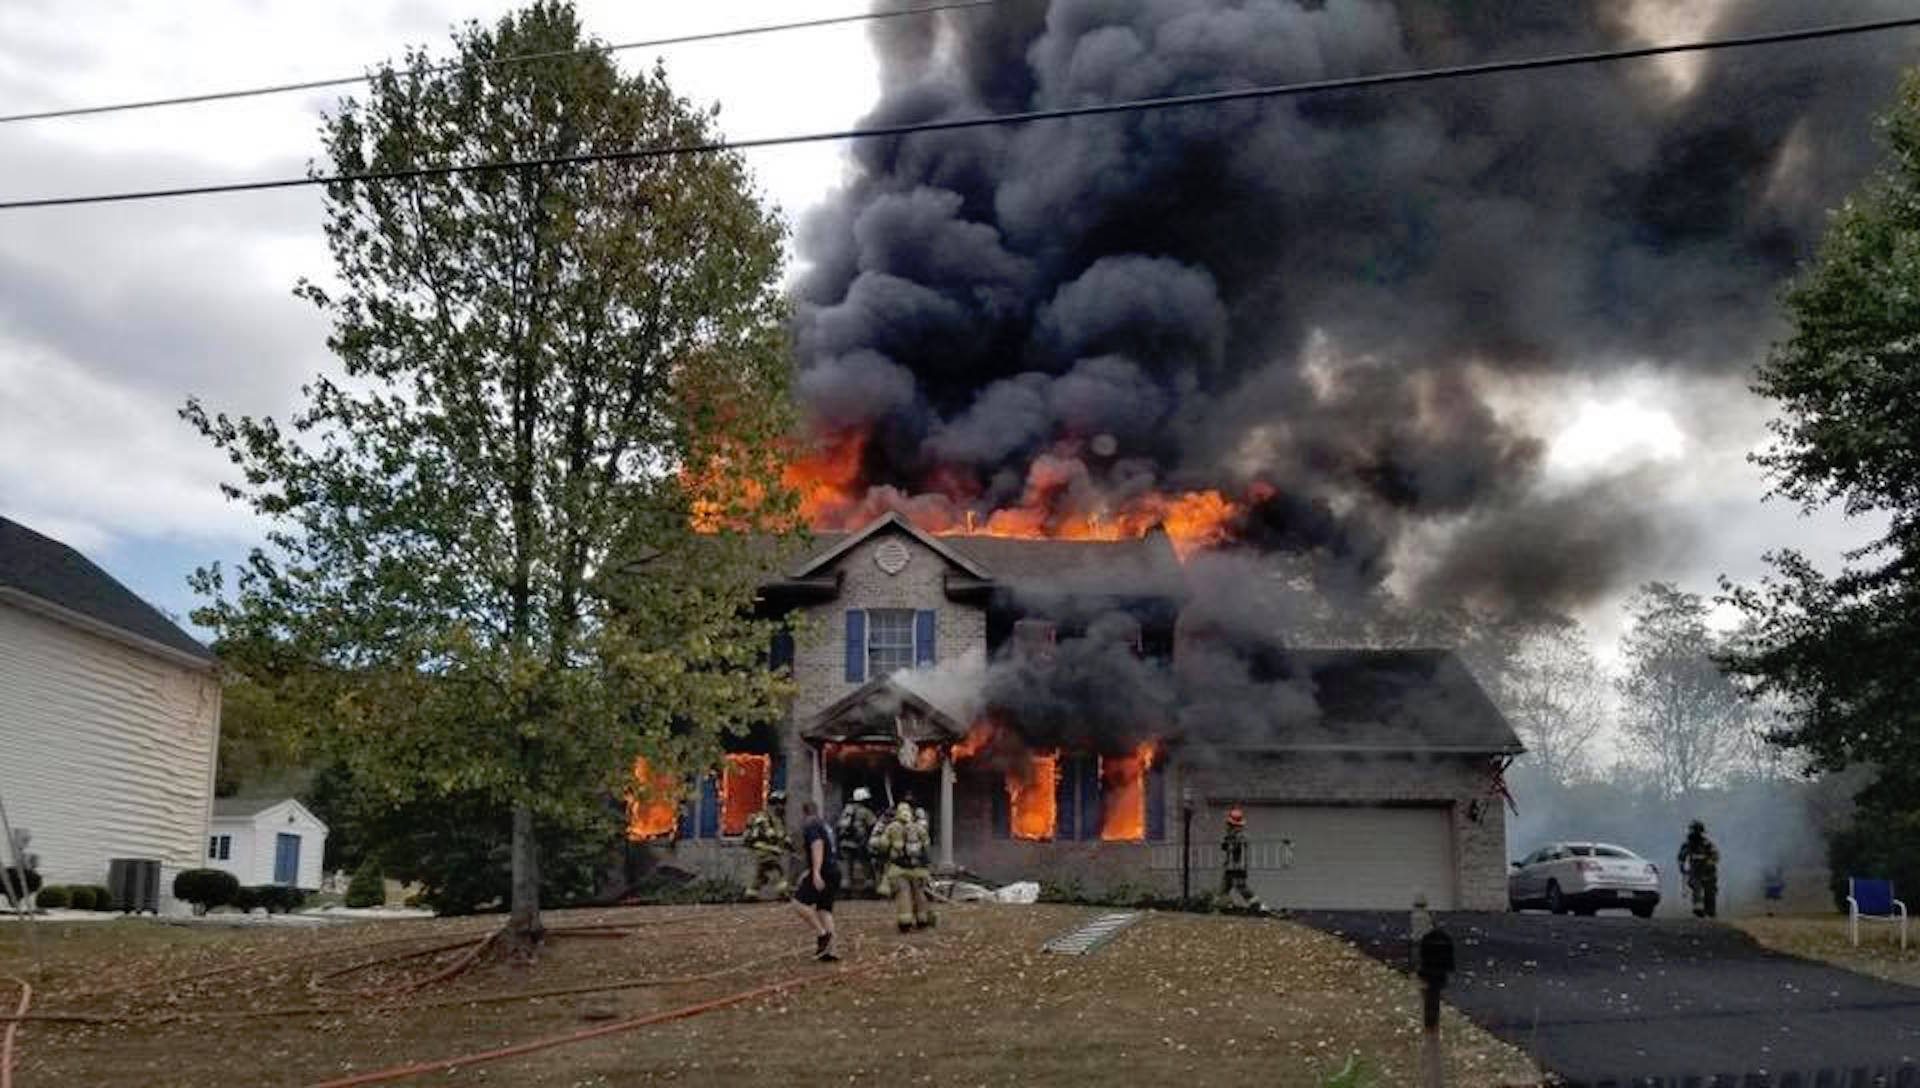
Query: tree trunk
[[524, 930]]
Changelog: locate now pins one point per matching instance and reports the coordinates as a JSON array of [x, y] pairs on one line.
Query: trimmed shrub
[[277, 898], [368, 888], [79, 897], [53, 897], [245, 898], [205, 888], [102, 898], [11, 884]]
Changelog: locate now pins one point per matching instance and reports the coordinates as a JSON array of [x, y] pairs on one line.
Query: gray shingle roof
[[1145, 564], [1349, 699], [48, 570]]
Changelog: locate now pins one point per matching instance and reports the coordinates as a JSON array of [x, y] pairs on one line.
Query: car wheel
[[1555, 902], [1643, 912], [1585, 912]]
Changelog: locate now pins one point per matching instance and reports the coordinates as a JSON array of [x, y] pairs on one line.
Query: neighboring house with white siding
[[109, 717], [267, 841]]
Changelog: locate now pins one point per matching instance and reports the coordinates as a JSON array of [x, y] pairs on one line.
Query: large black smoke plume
[[1311, 302]]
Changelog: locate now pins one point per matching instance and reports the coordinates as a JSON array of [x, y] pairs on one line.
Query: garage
[[1351, 856]]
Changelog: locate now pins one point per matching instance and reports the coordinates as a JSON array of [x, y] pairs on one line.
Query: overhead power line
[[1346, 83], [496, 62]]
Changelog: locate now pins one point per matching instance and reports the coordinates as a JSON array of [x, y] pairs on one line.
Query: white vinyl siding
[[106, 751], [1351, 856]]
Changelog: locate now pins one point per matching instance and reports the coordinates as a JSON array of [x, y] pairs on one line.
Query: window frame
[[911, 646], [219, 847]]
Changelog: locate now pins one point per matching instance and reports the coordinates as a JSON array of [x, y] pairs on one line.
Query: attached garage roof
[[50, 573], [1416, 700]]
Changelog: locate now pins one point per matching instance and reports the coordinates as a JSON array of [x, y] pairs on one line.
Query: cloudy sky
[[110, 317]]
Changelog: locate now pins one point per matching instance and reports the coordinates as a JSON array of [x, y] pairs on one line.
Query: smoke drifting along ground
[[1305, 303]]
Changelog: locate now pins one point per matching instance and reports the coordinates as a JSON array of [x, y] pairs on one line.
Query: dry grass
[[1200, 1000], [1824, 937]]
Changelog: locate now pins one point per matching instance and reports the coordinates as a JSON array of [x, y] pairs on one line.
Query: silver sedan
[[1584, 877]]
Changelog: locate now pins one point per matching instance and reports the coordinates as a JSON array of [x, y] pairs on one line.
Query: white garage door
[[1351, 856]]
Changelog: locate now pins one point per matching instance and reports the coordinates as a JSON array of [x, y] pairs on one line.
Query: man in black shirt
[[819, 880]]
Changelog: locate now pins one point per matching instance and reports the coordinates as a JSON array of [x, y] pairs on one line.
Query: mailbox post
[[1432, 962]]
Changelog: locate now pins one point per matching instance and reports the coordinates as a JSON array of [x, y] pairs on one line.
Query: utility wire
[[495, 62], [1419, 75]]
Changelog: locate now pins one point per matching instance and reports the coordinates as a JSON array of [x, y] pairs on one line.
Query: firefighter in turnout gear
[[766, 836], [907, 869], [1700, 864], [1233, 861], [856, 827]]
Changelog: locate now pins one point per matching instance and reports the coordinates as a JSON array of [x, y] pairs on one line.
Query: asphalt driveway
[[1621, 1001]]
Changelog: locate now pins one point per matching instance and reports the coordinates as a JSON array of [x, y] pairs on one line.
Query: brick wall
[[820, 649]]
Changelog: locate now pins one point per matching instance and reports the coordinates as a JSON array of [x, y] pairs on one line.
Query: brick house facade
[[1391, 790]]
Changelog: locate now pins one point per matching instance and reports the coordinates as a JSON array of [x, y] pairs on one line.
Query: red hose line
[[6, 1039], [415, 1069]]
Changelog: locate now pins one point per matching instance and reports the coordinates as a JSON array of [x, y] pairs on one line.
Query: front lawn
[[1824, 937], [1176, 999]]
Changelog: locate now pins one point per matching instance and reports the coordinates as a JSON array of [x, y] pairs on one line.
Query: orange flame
[[652, 809], [1123, 789], [743, 790], [1031, 797], [976, 741], [1052, 504]]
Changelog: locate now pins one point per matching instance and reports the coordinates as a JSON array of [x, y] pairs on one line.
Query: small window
[[220, 847], [889, 640]]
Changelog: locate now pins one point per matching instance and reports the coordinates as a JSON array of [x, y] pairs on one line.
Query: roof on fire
[[42, 573], [1358, 700], [1146, 562]]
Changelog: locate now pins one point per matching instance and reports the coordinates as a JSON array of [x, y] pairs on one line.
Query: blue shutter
[[709, 806], [777, 772], [1088, 768], [780, 654], [923, 627], [1157, 802], [856, 646], [1002, 812], [1065, 812]]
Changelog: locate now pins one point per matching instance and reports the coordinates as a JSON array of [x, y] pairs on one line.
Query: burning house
[[1059, 711]]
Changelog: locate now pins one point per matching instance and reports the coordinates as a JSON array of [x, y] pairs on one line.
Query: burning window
[[1124, 786], [652, 806], [889, 640], [743, 790], [1032, 805]]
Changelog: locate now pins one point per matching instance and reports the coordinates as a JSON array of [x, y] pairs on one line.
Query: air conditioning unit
[[134, 884]]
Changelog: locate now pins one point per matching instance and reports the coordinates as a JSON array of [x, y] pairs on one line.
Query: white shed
[[267, 841], [109, 717]]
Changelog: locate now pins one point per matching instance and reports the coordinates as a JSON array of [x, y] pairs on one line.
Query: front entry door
[[286, 859]]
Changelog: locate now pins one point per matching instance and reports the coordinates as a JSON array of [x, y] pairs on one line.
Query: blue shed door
[[286, 859]]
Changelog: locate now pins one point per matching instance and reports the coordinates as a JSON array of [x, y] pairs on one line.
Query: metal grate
[[1091, 936]]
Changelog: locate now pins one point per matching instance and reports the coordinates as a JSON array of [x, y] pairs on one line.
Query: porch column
[[946, 810]]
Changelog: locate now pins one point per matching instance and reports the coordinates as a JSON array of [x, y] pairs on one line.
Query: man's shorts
[[808, 895]]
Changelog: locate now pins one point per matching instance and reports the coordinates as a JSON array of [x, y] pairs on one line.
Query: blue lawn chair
[[1873, 901]]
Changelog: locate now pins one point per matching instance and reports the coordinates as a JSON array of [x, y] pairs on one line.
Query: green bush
[[245, 899], [368, 888], [79, 896], [660, 891], [12, 885], [1878, 845], [102, 898], [205, 888], [52, 897], [276, 898]]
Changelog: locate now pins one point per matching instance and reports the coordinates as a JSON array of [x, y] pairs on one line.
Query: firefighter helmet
[[1236, 817], [860, 793], [777, 797]]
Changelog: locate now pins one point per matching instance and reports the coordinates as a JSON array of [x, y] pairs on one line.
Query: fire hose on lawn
[[473, 948]]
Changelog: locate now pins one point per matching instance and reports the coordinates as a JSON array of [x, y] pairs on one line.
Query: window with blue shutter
[[856, 646], [709, 807], [1087, 770], [924, 623], [777, 775], [1157, 803], [780, 654], [1065, 811]]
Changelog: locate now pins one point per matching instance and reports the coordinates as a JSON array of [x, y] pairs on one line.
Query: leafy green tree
[[1681, 712], [1840, 653], [482, 577]]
